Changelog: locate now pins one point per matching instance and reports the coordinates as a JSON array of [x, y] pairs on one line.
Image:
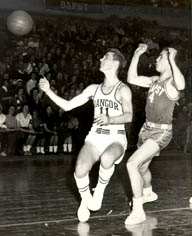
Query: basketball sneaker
[[136, 217], [83, 212], [149, 197], [96, 201]]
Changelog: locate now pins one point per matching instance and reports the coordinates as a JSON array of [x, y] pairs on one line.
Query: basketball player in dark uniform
[[156, 132], [106, 142]]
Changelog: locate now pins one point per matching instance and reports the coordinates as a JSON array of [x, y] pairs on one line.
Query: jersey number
[[106, 110], [151, 97]]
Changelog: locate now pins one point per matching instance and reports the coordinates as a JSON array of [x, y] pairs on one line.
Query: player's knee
[[131, 166], [106, 161], [81, 170]]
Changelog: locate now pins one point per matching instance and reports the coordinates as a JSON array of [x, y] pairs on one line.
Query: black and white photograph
[[95, 118]]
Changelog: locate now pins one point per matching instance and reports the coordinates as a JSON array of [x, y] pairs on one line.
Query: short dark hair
[[119, 57]]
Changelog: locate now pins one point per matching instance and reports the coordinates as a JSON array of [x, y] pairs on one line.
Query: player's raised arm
[[132, 75], [63, 103], [178, 78]]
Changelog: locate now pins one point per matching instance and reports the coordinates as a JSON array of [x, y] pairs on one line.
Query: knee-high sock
[[104, 178], [83, 186]]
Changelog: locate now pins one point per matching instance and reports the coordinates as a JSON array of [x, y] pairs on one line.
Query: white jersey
[[103, 136], [107, 104]]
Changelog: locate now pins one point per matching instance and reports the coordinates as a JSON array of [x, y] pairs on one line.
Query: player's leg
[[141, 156], [148, 194], [88, 155], [107, 166]]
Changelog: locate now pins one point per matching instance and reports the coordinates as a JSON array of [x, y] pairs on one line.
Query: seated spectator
[[32, 82], [72, 126], [26, 137], [50, 127], [35, 99], [5, 94], [19, 99], [37, 125], [11, 131], [44, 68], [3, 140]]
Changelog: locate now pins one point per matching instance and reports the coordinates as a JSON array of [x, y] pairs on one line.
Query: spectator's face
[[12, 110], [49, 110], [25, 109], [52, 82], [35, 92], [48, 76], [60, 76], [6, 83], [20, 92], [73, 79], [81, 86], [78, 91], [19, 84], [66, 95], [72, 93], [33, 76], [36, 69], [6, 76]]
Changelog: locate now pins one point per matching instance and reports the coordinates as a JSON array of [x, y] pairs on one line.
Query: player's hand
[[102, 120], [141, 49], [172, 52], [44, 84]]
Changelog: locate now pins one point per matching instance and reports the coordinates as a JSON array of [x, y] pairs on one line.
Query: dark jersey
[[159, 107]]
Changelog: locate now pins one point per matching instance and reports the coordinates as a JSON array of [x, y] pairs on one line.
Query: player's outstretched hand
[[44, 84]]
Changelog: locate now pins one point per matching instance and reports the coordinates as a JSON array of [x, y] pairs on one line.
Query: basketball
[[19, 23]]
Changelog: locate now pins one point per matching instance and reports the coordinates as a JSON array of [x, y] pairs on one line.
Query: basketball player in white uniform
[[106, 141]]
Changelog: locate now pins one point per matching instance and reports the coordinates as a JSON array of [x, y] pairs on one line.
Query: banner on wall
[[76, 6]]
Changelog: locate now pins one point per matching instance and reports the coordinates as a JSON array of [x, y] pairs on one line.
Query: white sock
[[42, 150], [24, 148], [38, 150], [64, 147], [147, 191], [83, 186], [28, 148], [51, 148], [104, 178], [70, 147], [55, 148]]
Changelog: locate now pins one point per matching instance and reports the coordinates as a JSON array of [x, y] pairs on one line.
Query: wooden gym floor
[[38, 197]]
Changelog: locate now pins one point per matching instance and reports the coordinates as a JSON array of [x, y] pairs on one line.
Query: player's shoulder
[[123, 86], [91, 89]]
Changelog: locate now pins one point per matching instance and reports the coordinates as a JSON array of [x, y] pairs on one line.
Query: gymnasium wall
[[170, 17]]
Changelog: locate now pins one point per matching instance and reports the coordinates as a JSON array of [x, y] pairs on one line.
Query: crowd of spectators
[[67, 51]]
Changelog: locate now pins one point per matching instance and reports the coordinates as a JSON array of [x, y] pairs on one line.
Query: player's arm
[[125, 97], [132, 75], [63, 103], [178, 78]]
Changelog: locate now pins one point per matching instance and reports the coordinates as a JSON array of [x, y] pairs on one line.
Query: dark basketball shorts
[[161, 136]]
